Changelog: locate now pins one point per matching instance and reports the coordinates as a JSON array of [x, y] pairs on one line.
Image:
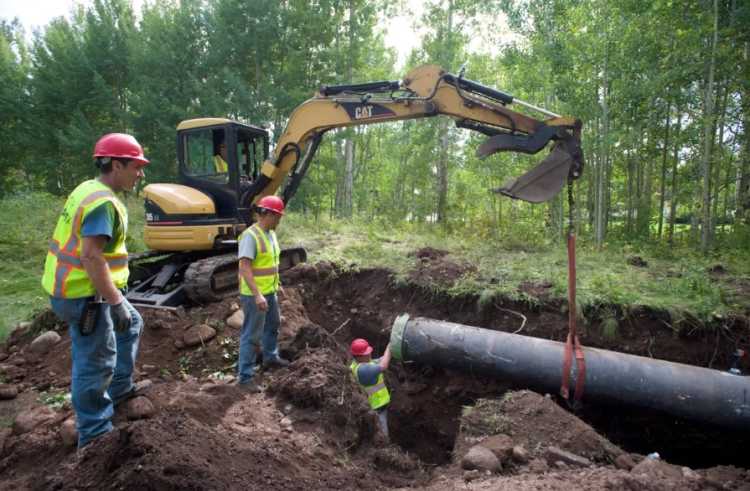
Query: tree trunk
[[673, 186], [708, 136], [663, 184]]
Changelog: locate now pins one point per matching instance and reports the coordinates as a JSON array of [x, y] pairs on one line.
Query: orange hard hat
[[360, 347], [119, 146], [271, 203]]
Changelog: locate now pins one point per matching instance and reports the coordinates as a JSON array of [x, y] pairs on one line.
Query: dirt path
[[310, 428]]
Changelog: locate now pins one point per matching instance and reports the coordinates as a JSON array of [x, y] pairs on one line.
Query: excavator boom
[[426, 92]]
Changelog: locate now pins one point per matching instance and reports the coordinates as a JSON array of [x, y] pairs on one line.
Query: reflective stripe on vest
[[377, 393], [265, 266], [64, 274]]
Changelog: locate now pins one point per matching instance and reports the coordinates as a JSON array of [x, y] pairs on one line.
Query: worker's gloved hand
[[120, 316]]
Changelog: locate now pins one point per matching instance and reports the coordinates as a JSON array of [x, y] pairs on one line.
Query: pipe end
[[397, 336]]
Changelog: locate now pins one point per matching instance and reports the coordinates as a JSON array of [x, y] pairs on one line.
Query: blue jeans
[[259, 330], [103, 365]]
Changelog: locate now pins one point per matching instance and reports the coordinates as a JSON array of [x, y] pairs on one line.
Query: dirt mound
[[535, 422], [433, 267], [311, 428]]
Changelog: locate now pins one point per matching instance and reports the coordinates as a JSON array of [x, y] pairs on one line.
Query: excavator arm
[[428, 91]]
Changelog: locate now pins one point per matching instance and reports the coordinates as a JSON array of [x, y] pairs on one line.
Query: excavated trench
[[427, 401], [312, 420]]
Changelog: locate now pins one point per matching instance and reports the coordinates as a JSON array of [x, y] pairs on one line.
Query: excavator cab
[[192, 226]]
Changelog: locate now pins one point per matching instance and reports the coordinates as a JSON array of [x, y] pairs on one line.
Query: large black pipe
[[687, 391]]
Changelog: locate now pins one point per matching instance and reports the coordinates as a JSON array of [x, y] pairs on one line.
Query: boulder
[[44, 342], [68, 432], [235, 320], [30, 419], [624, 462], [481, 458], [500, 445], [555, 454], [198, 335], [655, 469], [8, 391], [140, 407]]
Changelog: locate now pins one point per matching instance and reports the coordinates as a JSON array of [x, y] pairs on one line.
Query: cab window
[[205, 155]]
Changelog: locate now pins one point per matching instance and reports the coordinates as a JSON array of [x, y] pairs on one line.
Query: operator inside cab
[[220, 152]]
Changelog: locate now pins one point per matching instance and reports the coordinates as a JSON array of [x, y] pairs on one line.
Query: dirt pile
[[311, 428]]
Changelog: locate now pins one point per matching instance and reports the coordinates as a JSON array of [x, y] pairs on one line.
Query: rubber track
[[199, 276]]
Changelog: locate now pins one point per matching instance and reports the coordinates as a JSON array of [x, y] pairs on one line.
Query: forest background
[[663, 89]]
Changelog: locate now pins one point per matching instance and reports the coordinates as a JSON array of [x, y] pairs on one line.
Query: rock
[[500, 445], [235, 320], [18, 361], [690, 474], [179, 344], [27, 420], [234, 307], [519, 454], [286, 422], [44, 342], [561, 465], [354, 311], [471, 475], [554, 454], [538, 466], [481, 458], [3, 356], [140, 407], [68, 432], [655, 469], [148, 368], [198, 335], [625, 462], [8, 391]]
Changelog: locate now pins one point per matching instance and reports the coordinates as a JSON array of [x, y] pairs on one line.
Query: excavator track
[[212, 279], [215, 278]]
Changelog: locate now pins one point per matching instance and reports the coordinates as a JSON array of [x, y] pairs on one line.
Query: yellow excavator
[[225, 166]]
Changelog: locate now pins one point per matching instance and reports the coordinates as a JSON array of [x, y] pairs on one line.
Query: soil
[[311, 427]]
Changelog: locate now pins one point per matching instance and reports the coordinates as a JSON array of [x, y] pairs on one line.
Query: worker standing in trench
[[259, 254], [368, 373], [85, 275]]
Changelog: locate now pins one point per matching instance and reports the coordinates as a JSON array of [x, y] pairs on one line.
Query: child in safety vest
[[369, 374]]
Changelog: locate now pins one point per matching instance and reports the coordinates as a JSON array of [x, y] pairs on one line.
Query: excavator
[[224, 166]]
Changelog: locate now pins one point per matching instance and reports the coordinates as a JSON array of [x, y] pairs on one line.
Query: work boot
[[139, 388], [250, 387], [277, 362]]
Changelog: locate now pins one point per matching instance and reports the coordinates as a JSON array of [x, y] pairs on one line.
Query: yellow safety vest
[[221, 166], [64, 275], [377, 393], [266, 263]]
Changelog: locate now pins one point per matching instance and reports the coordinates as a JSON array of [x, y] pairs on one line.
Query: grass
[[675, 280], [29, 220]]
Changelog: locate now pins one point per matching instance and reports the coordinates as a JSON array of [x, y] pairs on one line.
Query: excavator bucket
[[544, 181]]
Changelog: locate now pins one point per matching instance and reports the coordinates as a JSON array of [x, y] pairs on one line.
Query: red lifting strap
[[572, 342]]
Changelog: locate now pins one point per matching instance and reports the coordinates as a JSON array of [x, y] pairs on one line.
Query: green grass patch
[[29, 221], [675, 280]]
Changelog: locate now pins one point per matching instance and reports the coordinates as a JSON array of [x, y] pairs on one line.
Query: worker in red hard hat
[[259, 254], [368, 373], [85, 275]]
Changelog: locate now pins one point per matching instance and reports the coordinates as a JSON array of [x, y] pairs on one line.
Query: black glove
[[120, 316]]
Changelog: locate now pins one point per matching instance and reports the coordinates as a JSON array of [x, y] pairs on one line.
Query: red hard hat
[[119, 145], [360, 347], [272, 203]]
